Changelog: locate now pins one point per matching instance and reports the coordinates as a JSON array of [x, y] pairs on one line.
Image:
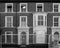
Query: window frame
[[9, 35], [58, 21], [40, 20], [20, 20], [43, 20], [42, 7], [6, 21], [6, 7], [58, 6], [21, 5]]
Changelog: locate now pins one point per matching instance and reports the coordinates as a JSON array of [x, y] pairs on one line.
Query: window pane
[[55, 10], [55, 24], [9, 21], [39, 8], [23, 21], [9, 8], [8, 38], [3, 38], [56, 20], [55, 6], [40, 17], [15, 38], [23, 8], [40, 22]]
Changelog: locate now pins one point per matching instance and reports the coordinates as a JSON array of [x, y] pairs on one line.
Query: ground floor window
[[7, 37], [30, 38]]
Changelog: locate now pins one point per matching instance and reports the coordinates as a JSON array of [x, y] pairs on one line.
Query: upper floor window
[[56, 7], [8, 21], [39, 7], [9, 7], [23, 21], [8, 37], [56, 21], [40, 20], [23, 7]]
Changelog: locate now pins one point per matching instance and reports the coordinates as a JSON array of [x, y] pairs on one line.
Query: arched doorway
[[23, 38], [56, 36], [56, 40]]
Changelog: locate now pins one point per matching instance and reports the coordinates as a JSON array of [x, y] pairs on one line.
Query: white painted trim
[[6, 7], [58, 20], [20, 20], [5, 38], [36, 15], [26, 7], [8, 34], [46, 20], [42, 6], [27, 35], [42, 20], [6, 20], [58, 6]]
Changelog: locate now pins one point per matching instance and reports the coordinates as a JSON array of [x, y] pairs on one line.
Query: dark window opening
[[9, 8]]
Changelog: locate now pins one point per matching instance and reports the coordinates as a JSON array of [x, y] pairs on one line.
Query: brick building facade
[[29, 23]]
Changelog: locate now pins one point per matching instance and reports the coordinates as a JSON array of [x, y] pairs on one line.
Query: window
[[30, 38], [23, 7], [45, 20], [8, 21], [23, 21], [56, 7], [39, 7], [8, 37], [56, 21], [9, 7], [40, 20], [34, 37]]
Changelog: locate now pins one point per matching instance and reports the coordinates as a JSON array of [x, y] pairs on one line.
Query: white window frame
[[58, 6], [8, 34], [43, 21], [58, 21], [6, 7], [6, 20], [26, 6], [42, 6], [20, 20]]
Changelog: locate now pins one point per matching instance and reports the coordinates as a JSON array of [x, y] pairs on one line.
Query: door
[[55, 43], [23, 38]]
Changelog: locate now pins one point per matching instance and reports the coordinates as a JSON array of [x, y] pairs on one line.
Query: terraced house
[[29, 24]]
